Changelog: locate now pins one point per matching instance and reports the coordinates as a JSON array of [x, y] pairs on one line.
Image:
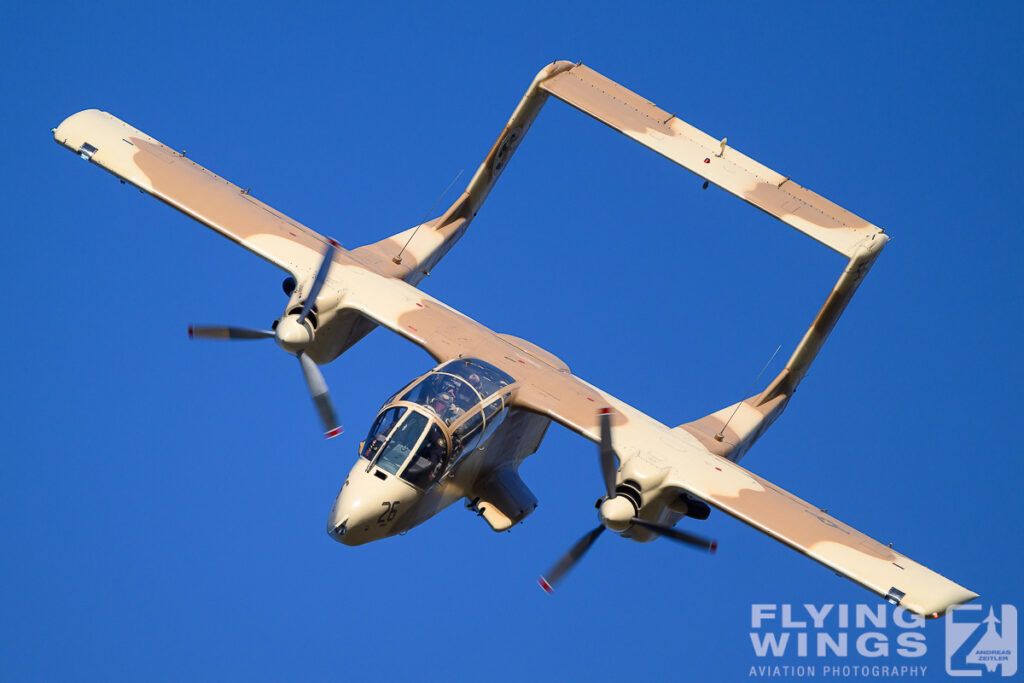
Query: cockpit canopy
[[425, 428]]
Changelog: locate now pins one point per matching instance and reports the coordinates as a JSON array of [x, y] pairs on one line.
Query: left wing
[[549, 389]]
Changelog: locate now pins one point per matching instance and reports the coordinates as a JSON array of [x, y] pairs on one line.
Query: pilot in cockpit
[[469, 394], [444, 402]]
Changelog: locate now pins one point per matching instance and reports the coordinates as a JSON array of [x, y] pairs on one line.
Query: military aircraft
[[461, 430]]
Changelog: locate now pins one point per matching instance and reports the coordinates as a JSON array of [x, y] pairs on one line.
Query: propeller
[[567, 561], [609, 458], [318, 281], [684, 537], [321, 398], [293, 334], [213, 332], [618, 512]]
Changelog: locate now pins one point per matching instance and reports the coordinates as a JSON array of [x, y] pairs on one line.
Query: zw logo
[[390, 510], [975, 646]]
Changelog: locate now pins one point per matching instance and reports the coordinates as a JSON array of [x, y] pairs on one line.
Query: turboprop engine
[[619, 511], [294, 332]]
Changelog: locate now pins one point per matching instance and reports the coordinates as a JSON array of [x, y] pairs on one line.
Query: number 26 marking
[[390, 510]]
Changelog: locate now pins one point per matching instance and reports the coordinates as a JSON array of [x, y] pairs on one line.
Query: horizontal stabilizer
[[712, 159]]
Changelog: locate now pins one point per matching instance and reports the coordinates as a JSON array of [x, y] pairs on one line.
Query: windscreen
[[397, 449], [380, 431]]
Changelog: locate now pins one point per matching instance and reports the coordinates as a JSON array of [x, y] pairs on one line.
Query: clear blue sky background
[[164, 502]]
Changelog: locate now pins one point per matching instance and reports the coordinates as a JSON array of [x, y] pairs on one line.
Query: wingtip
[[190, 333], [939, 606]]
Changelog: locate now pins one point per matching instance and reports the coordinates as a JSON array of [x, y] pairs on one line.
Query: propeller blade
[[318, 281], [321, 399], [696, 541], [568, 561], [212, 332], [609, 458]]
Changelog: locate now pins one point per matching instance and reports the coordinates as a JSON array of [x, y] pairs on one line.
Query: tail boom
[[731, 431], [429, 242]]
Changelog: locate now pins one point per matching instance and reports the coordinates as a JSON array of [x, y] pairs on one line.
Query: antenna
[[398, 257], [721, 432]]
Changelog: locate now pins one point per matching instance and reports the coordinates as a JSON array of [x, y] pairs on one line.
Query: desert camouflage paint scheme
[[370, 286]]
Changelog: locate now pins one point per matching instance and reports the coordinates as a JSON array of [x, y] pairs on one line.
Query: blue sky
[[164, 502]]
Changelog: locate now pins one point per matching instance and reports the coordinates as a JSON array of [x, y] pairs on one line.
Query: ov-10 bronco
[[463, 429]]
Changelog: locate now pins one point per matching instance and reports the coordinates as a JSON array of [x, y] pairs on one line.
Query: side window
[[466, 396], [447, 395], [493, 416], [492, 409], [467, 435], [422, 392], [483, 377], [428, 462]]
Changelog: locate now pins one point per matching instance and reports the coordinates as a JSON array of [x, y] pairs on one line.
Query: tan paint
[[768, 190], [362, 291], [756, 414]]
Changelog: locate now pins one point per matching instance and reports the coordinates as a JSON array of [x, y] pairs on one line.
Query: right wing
[[673, 457], [810, 531], [171, 177]]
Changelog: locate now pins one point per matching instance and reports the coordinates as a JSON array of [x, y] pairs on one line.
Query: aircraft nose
[[368, 507], [337, 531], [348, 521], [353, 518]]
